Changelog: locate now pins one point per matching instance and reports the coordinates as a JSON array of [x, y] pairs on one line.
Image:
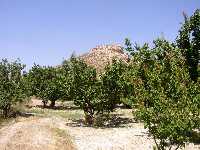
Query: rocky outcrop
[[101, 56]]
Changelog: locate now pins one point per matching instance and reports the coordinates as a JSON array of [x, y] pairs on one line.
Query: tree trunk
[[53, 102], [44, 103], [6, 111], [89, 118]]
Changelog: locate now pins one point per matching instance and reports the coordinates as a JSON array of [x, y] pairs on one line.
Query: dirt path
[[131, 137], [41, 133], [115, 139], [87, 138], [34, 134], [53, 134]]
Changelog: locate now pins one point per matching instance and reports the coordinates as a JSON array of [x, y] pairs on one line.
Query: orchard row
[[159, 82]]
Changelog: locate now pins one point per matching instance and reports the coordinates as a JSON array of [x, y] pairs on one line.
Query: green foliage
[[94, 94], [45, 83], [11, 87], [115, 89], [167, 101], [84, 89], [189, 43], [136, 75], [54, 85], [67, 81], [36, 81], [128, 47]]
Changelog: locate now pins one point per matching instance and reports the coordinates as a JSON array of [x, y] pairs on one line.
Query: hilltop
[[102, 55]]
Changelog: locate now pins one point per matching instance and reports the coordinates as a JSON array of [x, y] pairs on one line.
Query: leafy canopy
[[11, 87]]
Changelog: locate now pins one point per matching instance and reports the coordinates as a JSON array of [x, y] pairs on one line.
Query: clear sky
[[47, 31]]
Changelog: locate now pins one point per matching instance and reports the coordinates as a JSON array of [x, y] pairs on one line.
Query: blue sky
[[47, 31]]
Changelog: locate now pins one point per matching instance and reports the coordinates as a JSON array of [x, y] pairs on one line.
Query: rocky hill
[[100, 56]]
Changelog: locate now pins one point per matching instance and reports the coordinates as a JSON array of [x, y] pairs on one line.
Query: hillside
[[100, 56]]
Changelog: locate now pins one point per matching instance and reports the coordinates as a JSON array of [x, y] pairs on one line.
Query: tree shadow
[[16, 114], [194, 137], [58, 107], [111, 121]]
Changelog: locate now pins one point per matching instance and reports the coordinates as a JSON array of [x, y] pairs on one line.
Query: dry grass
[[63, 137], [35, 134], [64, 110]]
